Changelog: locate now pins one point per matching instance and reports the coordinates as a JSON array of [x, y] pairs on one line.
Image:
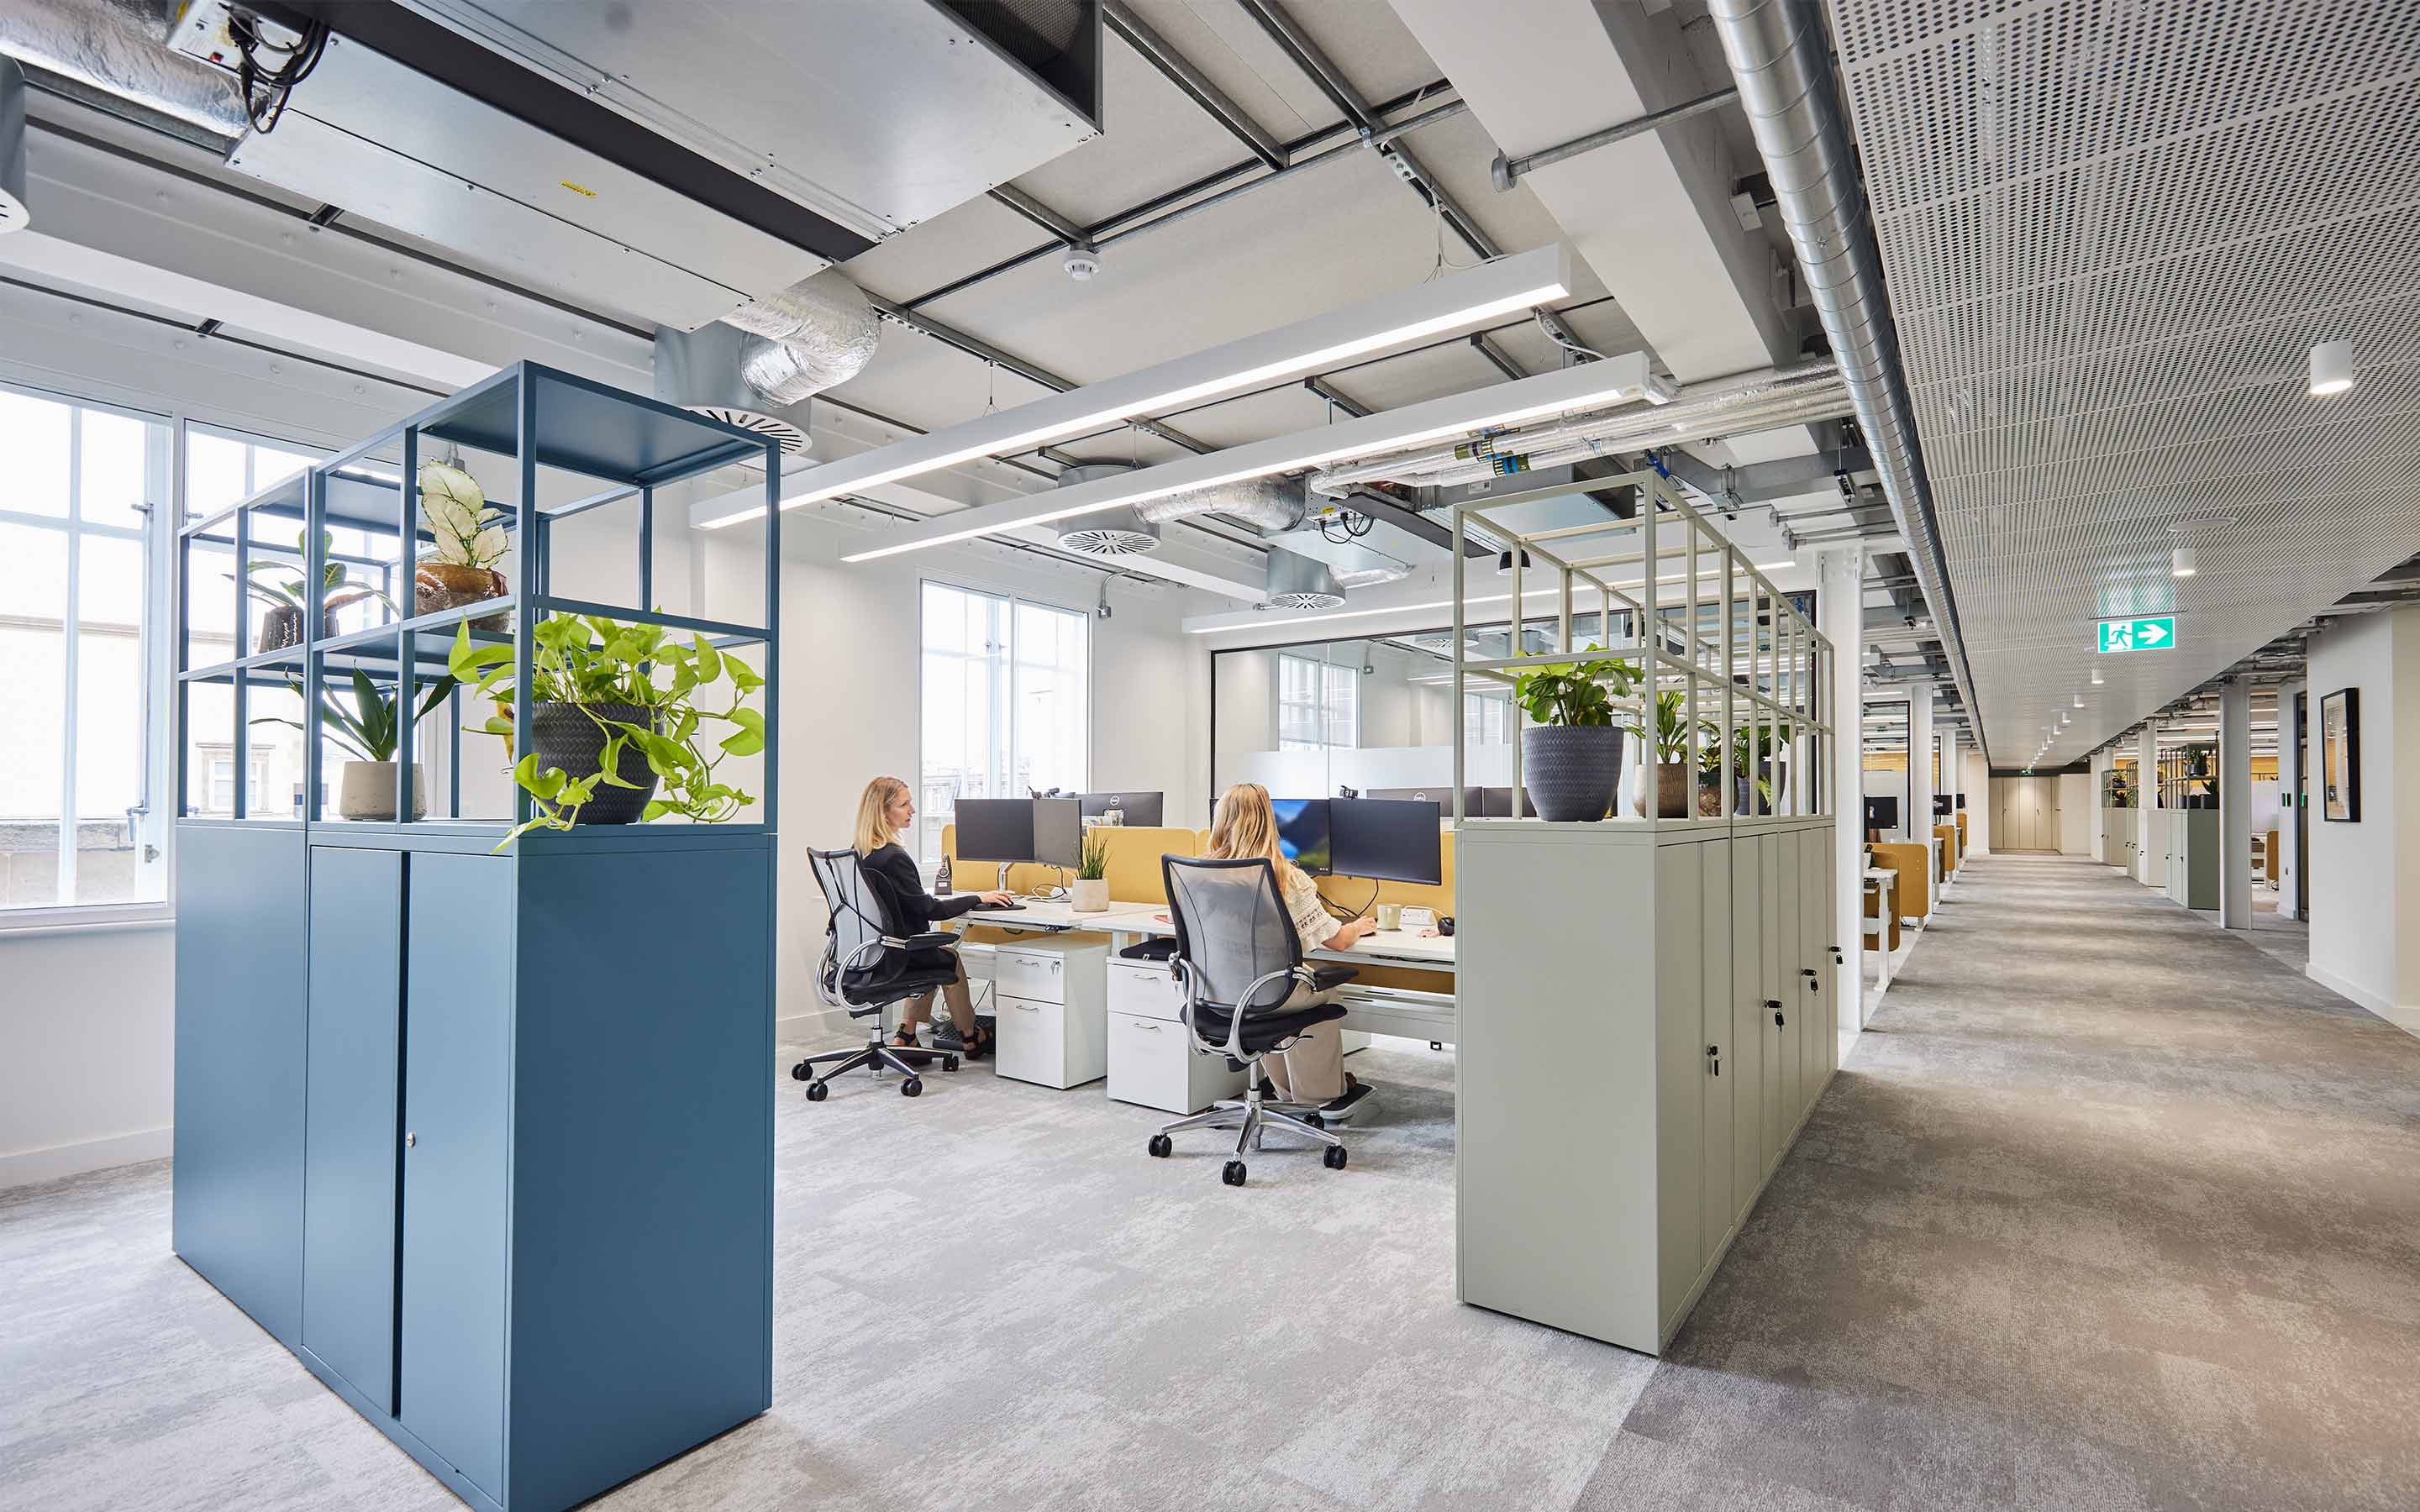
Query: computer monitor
[[1141, 808], [1058, 831], [1303, 833], [995, 829], [1941, 805], [1496, 803], [1440, 794], [1962, 800], [1387, 839], [1882, 813]]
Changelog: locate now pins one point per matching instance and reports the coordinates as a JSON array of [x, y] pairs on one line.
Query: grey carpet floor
[[2107, 1209]]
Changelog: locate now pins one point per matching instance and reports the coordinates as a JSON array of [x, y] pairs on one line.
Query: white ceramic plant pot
[[1090, 897], [367, 791]]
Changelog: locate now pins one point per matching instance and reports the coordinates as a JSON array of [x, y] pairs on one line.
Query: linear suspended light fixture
[[1622, 379], [1466, 298]]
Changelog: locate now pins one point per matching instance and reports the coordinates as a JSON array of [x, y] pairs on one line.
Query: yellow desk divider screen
[[1913, 864]]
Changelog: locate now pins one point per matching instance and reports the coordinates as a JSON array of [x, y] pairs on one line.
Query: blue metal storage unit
[[485, 1139]]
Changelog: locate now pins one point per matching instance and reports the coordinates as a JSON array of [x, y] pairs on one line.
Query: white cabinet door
[[1718, 1065], [1787, 1081], [1743, 1051]]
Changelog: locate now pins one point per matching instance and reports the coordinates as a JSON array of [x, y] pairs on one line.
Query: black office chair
[[1240, 961], [868, 966]]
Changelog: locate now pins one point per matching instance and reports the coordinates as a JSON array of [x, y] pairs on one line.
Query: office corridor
[[2108, 1209]]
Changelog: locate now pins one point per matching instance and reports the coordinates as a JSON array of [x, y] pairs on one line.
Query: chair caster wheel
[[1160, 1146], [912, 1087], [1314, 1120], [817, 1091], [949, 1062], [802, 1072], [1334, 1158], [1234, 1174]]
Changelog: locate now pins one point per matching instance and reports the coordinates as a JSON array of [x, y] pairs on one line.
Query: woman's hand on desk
[[1344, 938], [999, 900]]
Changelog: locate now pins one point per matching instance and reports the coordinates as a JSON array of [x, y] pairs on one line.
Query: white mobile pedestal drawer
[[1151, 1053], [1051, 998]]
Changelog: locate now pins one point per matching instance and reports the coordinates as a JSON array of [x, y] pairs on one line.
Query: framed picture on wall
[[2340, 755]]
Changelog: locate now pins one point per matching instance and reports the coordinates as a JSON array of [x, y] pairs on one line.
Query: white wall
[[1977, 785], [2365, 875], [87, 1029]]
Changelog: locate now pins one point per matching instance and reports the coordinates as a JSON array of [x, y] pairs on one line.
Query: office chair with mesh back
[[1240, 962], [869, 965]]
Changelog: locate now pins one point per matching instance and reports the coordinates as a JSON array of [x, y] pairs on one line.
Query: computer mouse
[[1445, 925]]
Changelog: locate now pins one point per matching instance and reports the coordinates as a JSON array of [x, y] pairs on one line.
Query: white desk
[[1883, 884], [1413, 1015]]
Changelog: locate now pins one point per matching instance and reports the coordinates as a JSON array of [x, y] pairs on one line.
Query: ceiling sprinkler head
[[1081, 263]]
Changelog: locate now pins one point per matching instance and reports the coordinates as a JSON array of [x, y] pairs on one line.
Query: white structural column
[[2289, 800], [2147, 793], [1840, 615], [1953, 768], [2101, 760], [1919, 771], [2235, 806]]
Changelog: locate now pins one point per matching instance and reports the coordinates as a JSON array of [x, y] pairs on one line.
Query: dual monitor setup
[[1388, 840], [1049, 830]]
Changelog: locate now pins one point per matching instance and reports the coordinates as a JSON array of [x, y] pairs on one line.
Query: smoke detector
[[1081, 263], [1110, 532], [1300, 582]]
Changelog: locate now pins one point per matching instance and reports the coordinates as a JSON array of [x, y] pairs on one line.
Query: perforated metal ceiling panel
[[2113, 229]]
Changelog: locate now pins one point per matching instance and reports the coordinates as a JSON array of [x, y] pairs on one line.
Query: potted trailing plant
[[1570, 759], [1670, 736], [371, 731], [460, 567], [1090, 894], [286, 588], [613, 713]]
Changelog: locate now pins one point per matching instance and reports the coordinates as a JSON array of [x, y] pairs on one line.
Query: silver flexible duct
[[815, 334], [1779, 53], [121, 47], [1271, 506]]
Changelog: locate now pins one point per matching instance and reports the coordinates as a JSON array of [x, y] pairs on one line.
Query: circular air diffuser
[[1300, 582], [1113, 532], [792, 439]]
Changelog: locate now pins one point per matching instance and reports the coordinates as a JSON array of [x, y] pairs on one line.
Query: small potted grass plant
[[1091, 893], [1570, 759], [371, 731]]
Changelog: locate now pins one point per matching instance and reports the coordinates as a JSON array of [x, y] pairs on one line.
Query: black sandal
[[979, 1043], [903, 1039]]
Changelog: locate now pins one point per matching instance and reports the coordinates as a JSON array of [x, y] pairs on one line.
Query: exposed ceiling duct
[[1298, 582], [770, 354], [119, 48], [1762, 402], [1268, 504], [1780, 55], [14, 214], [1118, 532]]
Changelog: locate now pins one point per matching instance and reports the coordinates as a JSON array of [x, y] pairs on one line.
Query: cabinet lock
[[1714, 1058]]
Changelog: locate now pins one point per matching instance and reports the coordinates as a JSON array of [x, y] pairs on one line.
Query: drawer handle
[[1026, 1006]]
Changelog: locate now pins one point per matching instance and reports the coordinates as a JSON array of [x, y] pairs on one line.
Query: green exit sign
[[2157, 632]]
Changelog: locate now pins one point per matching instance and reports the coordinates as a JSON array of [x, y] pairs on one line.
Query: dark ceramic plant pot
[[1572, 770], [564, 736], [1753, 802], [282, 627]]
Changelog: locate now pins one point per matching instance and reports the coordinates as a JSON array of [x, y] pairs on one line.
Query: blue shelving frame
[[495, 1164]]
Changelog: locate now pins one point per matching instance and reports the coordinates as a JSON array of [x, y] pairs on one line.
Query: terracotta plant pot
[[1088, 897], [564, 736], [1570, 771], [442, 585], [1671, 791], [367, 791]]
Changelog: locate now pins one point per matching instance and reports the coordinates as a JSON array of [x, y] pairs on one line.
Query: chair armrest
[[932, 939], [1323, 977]]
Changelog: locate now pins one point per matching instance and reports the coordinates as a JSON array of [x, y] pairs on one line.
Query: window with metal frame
[[1318, 704], [1006, 702]]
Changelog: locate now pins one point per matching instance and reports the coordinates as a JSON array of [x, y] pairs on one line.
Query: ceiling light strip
[[1622, 379], [1406, 316]]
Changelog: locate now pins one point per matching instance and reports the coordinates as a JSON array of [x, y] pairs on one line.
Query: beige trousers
[[1313, 1070]]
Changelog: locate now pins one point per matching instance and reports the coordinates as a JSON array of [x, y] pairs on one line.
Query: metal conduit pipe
[[1780, 55], [1712, 408]]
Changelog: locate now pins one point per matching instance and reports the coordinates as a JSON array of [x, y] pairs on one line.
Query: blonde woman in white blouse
[[1312, 1069]]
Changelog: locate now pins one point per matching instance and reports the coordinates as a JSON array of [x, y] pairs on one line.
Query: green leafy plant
[[373, 727], [459, 517], [293, 591], [1672, 731], [1751, 749], [588, 661], [1093, 862], [1573, 693]]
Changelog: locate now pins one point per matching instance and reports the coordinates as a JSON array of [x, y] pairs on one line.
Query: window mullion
[[70, 646]]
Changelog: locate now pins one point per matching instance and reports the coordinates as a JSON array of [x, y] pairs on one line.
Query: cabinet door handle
[[409, 1139], [1027, 1007], [1714, 1058]]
